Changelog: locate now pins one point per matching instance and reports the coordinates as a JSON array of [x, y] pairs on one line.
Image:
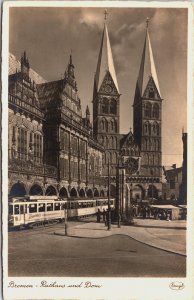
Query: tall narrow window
[[37, 148], [105, 105], [113, 106], [22, 143], [156, 110]]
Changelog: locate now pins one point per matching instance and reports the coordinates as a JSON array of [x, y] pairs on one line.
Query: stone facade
[[51, 148]]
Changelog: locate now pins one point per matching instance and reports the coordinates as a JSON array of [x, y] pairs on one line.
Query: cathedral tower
[[106, 104], [147, 113]]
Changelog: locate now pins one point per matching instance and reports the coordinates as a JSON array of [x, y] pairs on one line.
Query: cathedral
[[55, 150]]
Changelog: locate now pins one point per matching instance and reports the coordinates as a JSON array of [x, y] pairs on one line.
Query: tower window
[[156, 111], [148, 108], [105, 105], [113, 106]]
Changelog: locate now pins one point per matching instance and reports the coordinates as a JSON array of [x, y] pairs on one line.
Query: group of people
[[147, 212], [104, 215]]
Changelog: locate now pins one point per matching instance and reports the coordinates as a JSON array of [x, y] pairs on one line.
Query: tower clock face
[[131, 165], [108, 88]]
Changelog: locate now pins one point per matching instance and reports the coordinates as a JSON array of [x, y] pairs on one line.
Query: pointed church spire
[[105, 60], [147, 67]]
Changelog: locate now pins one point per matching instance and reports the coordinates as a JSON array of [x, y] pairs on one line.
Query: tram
[[24, 211]]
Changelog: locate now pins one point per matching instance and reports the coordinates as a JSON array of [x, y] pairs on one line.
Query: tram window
[[57, 206], [11, 209], [41, 207], [21, 209], [32, 208], [16, 210], [50, 207]]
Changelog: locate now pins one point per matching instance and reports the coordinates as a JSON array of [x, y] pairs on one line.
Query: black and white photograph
[[96, 141]]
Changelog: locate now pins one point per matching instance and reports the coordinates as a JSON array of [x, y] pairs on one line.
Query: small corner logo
[[176, 285]]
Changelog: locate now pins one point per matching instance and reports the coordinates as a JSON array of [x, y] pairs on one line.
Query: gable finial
[[105, 14], [147, 22]]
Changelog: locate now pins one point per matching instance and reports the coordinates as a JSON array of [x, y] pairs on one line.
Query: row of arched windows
[[110, 157], [151, 145], [108, 126], [151, 129], [152, 159], [151, 110], [109, 106], [130, 152], [109, 142]]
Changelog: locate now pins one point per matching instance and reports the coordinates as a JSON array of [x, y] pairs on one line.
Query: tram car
[[25, 211]]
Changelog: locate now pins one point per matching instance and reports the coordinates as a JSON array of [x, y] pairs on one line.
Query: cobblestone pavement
[[169, 236], [40, 252]]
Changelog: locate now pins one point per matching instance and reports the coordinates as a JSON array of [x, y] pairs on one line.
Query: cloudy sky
[[49, 35]]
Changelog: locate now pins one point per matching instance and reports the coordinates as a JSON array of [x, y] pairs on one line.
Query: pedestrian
[[104, 215], [144, 213], [98, 216]]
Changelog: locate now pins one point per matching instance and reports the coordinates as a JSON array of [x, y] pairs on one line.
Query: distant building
[[175, 185]]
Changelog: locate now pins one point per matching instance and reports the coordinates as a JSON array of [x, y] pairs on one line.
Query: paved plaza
[[91, 250]]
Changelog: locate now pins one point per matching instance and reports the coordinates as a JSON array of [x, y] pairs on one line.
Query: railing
[[24, 105]]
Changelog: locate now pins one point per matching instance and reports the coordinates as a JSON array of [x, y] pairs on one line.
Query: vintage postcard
[[97, 141]]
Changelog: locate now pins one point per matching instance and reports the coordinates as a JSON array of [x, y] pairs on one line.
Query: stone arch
[[82, 193], [36, 190], [63, 193], [18, 190], [137, 192], [96, 193], [73, 192], [51, 191], [89, 193], [152, 191]]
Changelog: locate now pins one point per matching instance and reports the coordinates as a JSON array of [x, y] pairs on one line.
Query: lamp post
[[109, 211], [152, 185], [65, 214]]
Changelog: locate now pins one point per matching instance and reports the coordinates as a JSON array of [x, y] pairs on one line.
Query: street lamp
[[65, 215], [152, 184], [109, 211]]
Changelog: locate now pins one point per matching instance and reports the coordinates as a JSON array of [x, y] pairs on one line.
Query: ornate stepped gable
[[23, 89], [16, 64]]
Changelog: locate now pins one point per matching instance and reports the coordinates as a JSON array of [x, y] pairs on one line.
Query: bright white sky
[[49, 34]]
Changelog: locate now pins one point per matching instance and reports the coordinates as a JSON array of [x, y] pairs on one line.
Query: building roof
[[105, 61], [16, 64], [147, 67], [49, 91]]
